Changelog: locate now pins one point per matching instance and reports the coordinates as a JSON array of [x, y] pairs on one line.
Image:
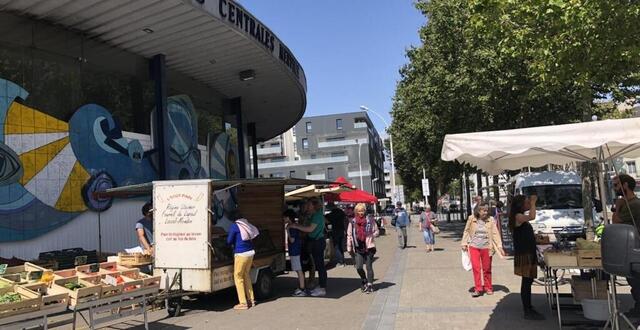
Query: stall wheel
[[174, 306]]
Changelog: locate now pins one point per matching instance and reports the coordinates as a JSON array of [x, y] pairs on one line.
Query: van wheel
[[264, 285]]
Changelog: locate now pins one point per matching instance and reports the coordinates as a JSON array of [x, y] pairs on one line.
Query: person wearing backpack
[[401, 218]]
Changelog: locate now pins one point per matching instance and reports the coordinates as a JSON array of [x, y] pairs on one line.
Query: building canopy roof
[[210, 41]]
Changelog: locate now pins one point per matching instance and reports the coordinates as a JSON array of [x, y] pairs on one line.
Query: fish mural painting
[[49, 168]]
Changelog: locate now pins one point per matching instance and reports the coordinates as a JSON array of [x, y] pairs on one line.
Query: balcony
[[316, 177], [341, 143], [360, 125], [270, 151], [302, 162]]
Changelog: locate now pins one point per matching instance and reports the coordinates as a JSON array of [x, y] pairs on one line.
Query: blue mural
[[50, 168]]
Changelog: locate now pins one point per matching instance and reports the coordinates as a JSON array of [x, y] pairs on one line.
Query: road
[[415, 290]]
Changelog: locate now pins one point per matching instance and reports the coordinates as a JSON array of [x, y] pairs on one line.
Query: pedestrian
[[476, 201], [428, 218], [524, 243], [361, 233], [627, 211], [337, 218], [294, 240], [402, 220], [318, 244], [481, 239], [241, 232], [144, 229]]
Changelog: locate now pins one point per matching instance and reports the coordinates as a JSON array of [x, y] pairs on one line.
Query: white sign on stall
[[181, 224]]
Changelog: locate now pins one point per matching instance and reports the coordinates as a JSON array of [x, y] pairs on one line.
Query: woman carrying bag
[[428, 228], [481, 239]]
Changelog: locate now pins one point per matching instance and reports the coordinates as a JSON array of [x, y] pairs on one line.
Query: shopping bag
[[435, 229], [466, 262]]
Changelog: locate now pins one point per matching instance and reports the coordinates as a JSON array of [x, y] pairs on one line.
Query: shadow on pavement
[[496, 288], [138, 325]]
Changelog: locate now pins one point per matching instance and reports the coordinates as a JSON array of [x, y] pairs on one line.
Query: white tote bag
[[466, 262]]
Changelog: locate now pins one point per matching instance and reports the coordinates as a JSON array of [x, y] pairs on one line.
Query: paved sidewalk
[[415, 290]]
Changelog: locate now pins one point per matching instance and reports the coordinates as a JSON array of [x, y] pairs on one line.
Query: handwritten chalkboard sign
[[505, 233]]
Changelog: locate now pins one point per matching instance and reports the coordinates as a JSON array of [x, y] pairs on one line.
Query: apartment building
[[325, 148]]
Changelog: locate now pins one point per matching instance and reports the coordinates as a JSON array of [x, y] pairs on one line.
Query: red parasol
[[353, 196]]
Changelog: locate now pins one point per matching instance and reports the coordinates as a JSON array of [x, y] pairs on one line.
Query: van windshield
[[556, 196]]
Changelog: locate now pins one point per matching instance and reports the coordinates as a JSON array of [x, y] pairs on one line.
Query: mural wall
[[49, 168]]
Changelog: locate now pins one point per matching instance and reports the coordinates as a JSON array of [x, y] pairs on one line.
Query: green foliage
[[501, 64]]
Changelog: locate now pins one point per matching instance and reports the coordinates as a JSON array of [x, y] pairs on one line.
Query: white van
[[559, 206]]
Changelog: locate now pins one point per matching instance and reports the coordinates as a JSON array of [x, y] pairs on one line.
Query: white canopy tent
[[497, 151], [598, 141]]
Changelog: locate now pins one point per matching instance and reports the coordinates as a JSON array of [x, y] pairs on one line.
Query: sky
[[350, 50]]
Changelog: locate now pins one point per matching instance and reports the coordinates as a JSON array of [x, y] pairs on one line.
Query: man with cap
[[402, 220]]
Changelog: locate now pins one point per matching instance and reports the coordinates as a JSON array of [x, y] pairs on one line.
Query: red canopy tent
[[353, 196]]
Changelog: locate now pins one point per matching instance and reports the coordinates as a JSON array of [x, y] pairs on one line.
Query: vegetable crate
[[560, 259], [26, 301], [148, 282], [101, 268], [88, 291], [590, 258], [52, 297], [134, 259], [109, 288], [27, 273]]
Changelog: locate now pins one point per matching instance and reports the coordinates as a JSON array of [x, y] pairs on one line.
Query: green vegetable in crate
[[10, 298], [73, 286], [583, 244]]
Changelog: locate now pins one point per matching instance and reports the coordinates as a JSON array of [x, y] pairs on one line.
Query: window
[[308, 125], [275, 144], [337, 138], [337, 154], [305, 144], [292, 174], [293, 130], [295, 147], [330, 173], [338, 124], [631, 167], [313, 156]]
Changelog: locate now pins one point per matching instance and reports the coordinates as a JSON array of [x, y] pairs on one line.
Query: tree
[[500, 64]]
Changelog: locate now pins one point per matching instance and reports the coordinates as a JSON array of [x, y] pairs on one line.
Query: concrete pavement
[[415, 290]]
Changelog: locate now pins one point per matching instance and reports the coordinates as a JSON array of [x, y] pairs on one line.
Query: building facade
[[325, 148], [98, 94]]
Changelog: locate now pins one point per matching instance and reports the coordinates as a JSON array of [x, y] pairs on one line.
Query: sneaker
[[369, 288], [476, 294], [532, 314], [489, 292], [318, 292], [299, 293], [363, 286]]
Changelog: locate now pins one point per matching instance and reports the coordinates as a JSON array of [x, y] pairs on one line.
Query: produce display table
[[109, 309], [564, 261]]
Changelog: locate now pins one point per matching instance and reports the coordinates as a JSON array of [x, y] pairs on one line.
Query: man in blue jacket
[[402, 221]]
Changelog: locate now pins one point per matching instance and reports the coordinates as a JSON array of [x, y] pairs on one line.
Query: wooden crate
[[582, 289], [148, 281], [30, 302], [23, 274], [590, 258], [5, 283], [134, 259], [52, 297], [88, 293], [107, 290], [560, 258]]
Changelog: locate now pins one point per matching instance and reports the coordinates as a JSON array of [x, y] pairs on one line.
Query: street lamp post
[[393, 169]]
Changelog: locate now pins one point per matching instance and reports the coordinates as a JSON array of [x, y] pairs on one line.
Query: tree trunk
[[468, 189], [496, 189], [479, 182], [460, 208]]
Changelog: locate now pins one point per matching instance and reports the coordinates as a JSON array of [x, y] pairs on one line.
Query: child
[[295, 249]]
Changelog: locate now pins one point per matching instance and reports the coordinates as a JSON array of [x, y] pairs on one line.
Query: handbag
[[435, 229], [466, 261]]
